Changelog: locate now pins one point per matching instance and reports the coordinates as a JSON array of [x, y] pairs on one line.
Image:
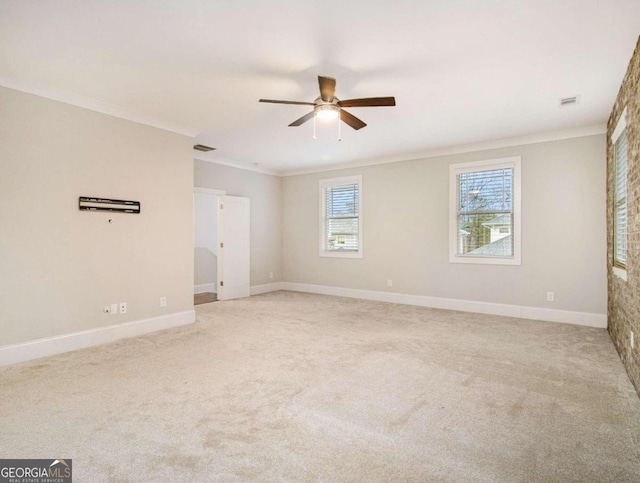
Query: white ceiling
[[462, 71]]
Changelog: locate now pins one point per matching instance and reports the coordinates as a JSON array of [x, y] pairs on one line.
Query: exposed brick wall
[[624, 296]]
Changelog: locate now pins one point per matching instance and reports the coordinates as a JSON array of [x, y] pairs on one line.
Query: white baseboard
[[267, 287], [205, 287], [35, 349], [519, 311]]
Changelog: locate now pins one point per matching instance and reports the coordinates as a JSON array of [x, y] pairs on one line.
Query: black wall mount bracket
[[90, 203]]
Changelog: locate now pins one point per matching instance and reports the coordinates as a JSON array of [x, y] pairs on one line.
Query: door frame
[[209, 191]]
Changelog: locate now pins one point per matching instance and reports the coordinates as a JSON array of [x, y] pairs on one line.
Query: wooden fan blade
[[368, 102], [303, 119], [274, 101], [327, 88], [351, 120]]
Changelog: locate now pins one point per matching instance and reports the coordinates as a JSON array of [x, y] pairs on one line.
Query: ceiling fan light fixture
[[327, 111], [328, 106]]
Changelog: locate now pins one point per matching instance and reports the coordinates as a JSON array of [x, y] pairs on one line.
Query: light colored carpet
[[298, 387]]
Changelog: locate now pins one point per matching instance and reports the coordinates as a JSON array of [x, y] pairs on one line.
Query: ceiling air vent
[[203, 148], [568, 101]]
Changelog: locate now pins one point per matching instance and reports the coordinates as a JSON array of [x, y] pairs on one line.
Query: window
[[341, 217], [485, 212], [619, 140]]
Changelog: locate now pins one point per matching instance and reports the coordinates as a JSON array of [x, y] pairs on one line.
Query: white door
[[233, 247]]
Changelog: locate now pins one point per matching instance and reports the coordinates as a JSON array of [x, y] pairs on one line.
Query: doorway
[[221, 246], [205, 245]]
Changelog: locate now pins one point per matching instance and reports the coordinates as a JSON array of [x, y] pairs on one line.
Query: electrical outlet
[[106, 309], [389, 283], [123, 307], [631, 339], [551, 296], [114, 309], [163, 301]]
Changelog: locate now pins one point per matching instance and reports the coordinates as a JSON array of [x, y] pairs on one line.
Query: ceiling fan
[[327, 105]]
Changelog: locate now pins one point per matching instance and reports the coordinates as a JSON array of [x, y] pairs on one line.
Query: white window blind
[[620, 200], [341, 217]]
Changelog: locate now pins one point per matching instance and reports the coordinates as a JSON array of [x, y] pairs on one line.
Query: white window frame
[[618, 270], [487, 165], [330, 183]]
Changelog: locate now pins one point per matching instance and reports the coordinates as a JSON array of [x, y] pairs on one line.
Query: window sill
[[620, 273], [339, 254], [485, 260]]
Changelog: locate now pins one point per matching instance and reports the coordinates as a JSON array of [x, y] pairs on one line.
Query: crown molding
[[461, 149], [92, 104], [234, 164]]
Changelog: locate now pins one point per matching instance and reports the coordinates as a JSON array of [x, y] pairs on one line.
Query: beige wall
[[406, 219], [205, 267], [265, 193], [59, 266]]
